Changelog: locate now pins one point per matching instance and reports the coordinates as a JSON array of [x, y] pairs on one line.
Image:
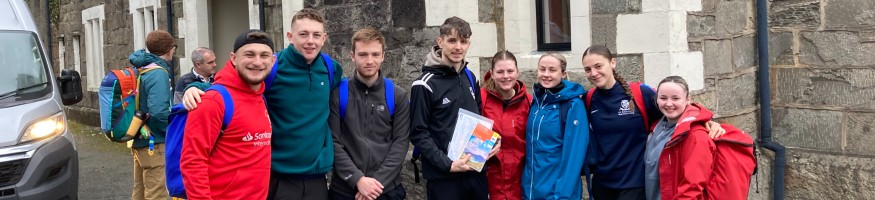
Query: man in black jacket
[[370, 138], [204, 61], [435, 99]]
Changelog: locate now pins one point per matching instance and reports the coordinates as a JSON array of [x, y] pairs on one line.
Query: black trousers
[[310, 187], [397, 193], [602, 193], [473, 187]]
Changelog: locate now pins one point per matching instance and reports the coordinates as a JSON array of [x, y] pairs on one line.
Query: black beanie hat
[[244, 39]]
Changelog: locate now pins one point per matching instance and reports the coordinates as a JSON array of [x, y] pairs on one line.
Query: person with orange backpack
[[155, 96], [683, 162]]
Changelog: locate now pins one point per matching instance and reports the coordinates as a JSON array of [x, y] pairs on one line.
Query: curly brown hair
[[160, 42]]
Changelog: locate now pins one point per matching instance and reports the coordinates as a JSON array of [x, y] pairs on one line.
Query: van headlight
[[44, 128]]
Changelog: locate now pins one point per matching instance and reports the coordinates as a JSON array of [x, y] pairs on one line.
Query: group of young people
[[295, 119]]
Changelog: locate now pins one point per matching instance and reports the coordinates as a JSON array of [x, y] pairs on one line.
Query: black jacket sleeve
[[343, 164], [420, 106]]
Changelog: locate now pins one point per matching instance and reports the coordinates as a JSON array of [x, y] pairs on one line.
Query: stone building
[[822, 55]]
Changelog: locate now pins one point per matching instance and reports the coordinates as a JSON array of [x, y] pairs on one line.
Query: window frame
[[539, 24]]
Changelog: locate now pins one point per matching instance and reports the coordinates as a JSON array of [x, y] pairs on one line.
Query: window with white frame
[[553, 24], [145, 20], [92, 24]]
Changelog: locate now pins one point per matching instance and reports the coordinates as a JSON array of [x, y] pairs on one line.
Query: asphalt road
[[105, 168]]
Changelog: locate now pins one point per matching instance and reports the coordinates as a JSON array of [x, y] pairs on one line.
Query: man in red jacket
[[233, 163]]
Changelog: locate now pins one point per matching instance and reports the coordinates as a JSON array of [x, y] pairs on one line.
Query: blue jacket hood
[[141, 58], [569, 91]]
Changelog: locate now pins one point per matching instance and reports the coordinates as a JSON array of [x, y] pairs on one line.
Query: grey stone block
[[859, 128], [744, 52], [608, 6], [604, 30], [780, 48], [833, 176], [850, 88], [834, 49], [408, 13], [351, 17], [716, 57], [810, 129], [694, 46], [630, 67], [736, 94], [804, 13], [732, 16], [748, 122], [700, 25], [707, 98], [849, 14], [867, 36], [486, 9]]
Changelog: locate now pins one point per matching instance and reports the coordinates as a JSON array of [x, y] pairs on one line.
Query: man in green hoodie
[[155, 97], [297, 101]]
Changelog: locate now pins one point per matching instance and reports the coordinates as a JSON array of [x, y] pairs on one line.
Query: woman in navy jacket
[[554, 145]]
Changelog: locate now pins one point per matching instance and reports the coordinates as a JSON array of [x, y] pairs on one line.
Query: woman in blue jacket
[[555, 143]]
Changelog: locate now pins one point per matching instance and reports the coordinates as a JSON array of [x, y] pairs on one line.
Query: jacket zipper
[[367, 131]]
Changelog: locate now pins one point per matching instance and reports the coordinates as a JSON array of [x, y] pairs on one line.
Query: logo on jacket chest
[[624, 108], [256, 138]]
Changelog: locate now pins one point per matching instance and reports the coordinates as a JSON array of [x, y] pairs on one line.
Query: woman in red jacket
[[506, 101], [679, 155]]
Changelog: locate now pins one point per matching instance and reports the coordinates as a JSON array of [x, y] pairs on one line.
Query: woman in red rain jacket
[[679, 155], [506, 101]]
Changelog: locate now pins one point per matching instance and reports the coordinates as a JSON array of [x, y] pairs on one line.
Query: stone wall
[[822, 56]]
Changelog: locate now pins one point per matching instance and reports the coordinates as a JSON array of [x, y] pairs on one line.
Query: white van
[[38, 159]]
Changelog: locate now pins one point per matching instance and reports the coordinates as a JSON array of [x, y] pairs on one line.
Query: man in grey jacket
[[370, 138]]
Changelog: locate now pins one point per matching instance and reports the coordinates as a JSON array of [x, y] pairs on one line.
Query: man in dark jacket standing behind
[[370, 137]]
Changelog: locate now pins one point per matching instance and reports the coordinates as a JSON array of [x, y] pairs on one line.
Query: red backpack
[[734, 163]]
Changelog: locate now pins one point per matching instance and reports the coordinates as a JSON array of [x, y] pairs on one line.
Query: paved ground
[[104, 167]]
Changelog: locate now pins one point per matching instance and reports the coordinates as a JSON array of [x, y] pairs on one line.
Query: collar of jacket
[[434, 60], [694, 116], [202, 78], [360, 85]]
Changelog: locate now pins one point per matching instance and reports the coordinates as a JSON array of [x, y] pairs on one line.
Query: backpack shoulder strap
[[268, 81], [588, 98], [470, 77], [635, 87], [390, 95], [229, 104], [330, 65], [343, 92]]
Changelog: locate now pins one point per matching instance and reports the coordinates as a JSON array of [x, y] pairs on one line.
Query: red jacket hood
[[694, 115], [229, 77]]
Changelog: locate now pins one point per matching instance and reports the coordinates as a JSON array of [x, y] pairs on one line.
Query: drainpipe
[[765, 139], [261, 19], [49, 33], [170, 30]]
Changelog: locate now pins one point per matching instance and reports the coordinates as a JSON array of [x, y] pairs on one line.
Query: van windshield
[[23, 71]]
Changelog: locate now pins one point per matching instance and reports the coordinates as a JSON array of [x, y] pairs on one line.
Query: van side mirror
[[71, 86]]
